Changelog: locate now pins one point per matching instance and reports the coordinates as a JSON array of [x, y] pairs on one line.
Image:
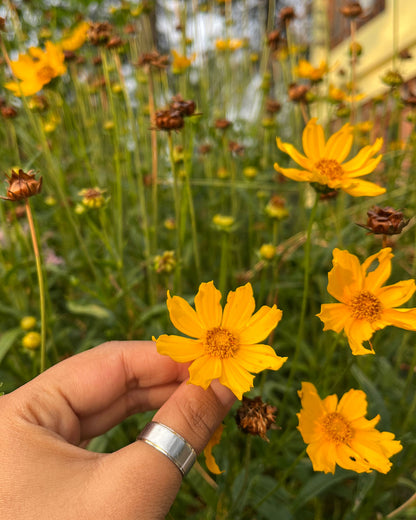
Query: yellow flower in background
[[306, 70], [366, 306], [181, 63], [227, 341], [209, 457], [336, 94], [230, 44], [31, 340], [338, 433], [323, 162], [36, 69], [76, 37]]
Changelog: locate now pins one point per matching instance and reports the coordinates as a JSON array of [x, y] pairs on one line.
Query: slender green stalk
[[41, 285], [224, 262]]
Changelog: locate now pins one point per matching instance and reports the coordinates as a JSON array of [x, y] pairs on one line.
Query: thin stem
[[178, 219], [41, 285], [402, 507]]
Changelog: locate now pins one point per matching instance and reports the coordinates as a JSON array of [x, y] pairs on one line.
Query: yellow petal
[[334, 316], [256, 358], [312, 405], [178, 348], [208, 306], [236, 378], [396, 294], [239, 308], [323, 456], [375, 279], [339, 144], [346, 277], [360, 188], [294, 154], [367, 168], [330, 403], [353, 405], [294, 174], [347, 458], [313, 140], [402, 318], [373, 454], [260, 325], [357, 332], [203, 370], [183, 317], [209, 458], [309, 431], [357, 162]]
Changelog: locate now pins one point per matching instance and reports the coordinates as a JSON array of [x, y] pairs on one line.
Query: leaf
[[90, 309], [7, 340]]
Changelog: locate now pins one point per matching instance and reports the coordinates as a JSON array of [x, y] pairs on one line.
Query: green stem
[[177, 203], [41, 285], [224, 262]]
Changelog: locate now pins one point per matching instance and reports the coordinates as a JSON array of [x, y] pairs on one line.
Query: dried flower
[[385, 221], [273, 39], [287, 14], [236, 148], [298, 93], [8, 112], [22, 185], [222, 124], [185, 108], [153, 59], [272, 106], [351, 10], [255, 417], [99, 33], [169, 120]]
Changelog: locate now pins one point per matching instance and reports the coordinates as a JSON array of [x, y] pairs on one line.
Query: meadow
[[147, 149]]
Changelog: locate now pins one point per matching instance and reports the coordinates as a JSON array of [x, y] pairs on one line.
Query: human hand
[[47, 475]]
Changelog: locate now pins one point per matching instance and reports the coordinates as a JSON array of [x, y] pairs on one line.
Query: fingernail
[[224, 394]]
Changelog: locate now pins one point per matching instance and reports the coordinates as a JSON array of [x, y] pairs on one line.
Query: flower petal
[[367, 168], [239, 308], [260, 325], [334, 316], [339, 144], [353, 405], [303, 161], [183, 316], [396, 294], [313, 140], [204, 369], [236, 378], [402, 318], [375, 279], [359, 188], [294, 174], [346, 277], [347, 458], [359, 161], [178, 348], [323, 456], [357, 332], [208, 306], [256, 358], [209, 457]]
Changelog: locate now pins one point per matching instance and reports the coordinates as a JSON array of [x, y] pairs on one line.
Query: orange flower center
[[336, 428], [366, 306], [330, 169], [46, 73], [220, 343]]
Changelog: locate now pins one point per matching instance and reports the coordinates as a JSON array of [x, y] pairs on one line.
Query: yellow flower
[[366, 306], [227, 341], [230, 44], [338, 433], [31, 340], [76, 38], [306, 70], [323, 162], [209, 457], [181, 63], [267, 251], [36, 69], [28, 322], [336, 94], [223, 222]]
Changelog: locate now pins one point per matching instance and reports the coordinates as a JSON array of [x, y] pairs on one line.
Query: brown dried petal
[[22, 185]]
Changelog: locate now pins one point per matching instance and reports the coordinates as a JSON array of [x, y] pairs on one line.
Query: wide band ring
[[170, 443]]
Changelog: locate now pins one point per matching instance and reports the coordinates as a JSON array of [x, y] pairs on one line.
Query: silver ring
[[170, 443]]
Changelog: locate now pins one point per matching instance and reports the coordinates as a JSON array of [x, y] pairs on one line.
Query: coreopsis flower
[[337, 433], [267, 251], [230, 44], [181, 63], [209, 457], [256, 417], [365, 304], [276, 208], [226, 344], [165, 263], [36, 69], [93, 198], [323, 162], [306, 70], [76, 38], [28, 322], [335, 94], [223, 222], [22, 185]]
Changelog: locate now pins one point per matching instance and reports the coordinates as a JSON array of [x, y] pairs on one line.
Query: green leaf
[[7, 340], [90, 309]]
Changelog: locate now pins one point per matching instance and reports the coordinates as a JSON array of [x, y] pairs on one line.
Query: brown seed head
[[169, 120], [272, 106], [236, 148], [204, 148], [99, 33], [255, 417], [2, 23], [405, 54], [153, 59], [273, 39], [351, 9], [385, 221], [222, 124], [8, 112], [287, 14], [186, 108], [22, 185], [114, 42], [298, 93]]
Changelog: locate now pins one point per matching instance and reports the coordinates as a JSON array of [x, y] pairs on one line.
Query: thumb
[[146, 479]]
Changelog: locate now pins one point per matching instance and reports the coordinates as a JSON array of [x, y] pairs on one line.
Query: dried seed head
[[298, 93], [22, 185], [274, 39], [93, 198], [204, 148], [169, 120], [255, 417], [236, 148], [385, 221], [186, 108], [276, 208], [287, 14], [222, 124], [272, 106], [8, 112], [99, 33], [351, 9], [153, 59], [114, 42]]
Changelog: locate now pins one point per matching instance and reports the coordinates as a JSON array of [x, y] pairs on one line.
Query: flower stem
[[41, 285]]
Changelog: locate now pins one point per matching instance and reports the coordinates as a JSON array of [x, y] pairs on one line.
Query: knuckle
[[199, 417]]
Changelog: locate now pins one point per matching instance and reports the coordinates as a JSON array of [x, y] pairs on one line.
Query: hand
[[47, 475]]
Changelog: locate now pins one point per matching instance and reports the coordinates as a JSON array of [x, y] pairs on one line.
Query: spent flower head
[[256, 417], [22, 185]]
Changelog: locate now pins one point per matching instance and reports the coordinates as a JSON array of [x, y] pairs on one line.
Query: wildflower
[[267, 251], [256, 417], [31, 340], [250, 172], [306, 70], [169, 224], [351, 10], [226, 345], [298, 93], [181, 63], [185, 107], [230, 44], [165, 263], [93, 198], [22, 185], [276, 208], [36, 69], [366, 306], [236, 148], [28, 323], [355, 49], [385, 221], [323, 163], [364, 126], [153, 59], [392, 79], [209, 457], [223, 222], [76, 37], [336, 94], [338, 433]]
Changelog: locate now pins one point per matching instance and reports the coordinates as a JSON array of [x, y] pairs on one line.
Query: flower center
[[330, 169], [337, 428], [220, 343], [46, 73], [365, 306]]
